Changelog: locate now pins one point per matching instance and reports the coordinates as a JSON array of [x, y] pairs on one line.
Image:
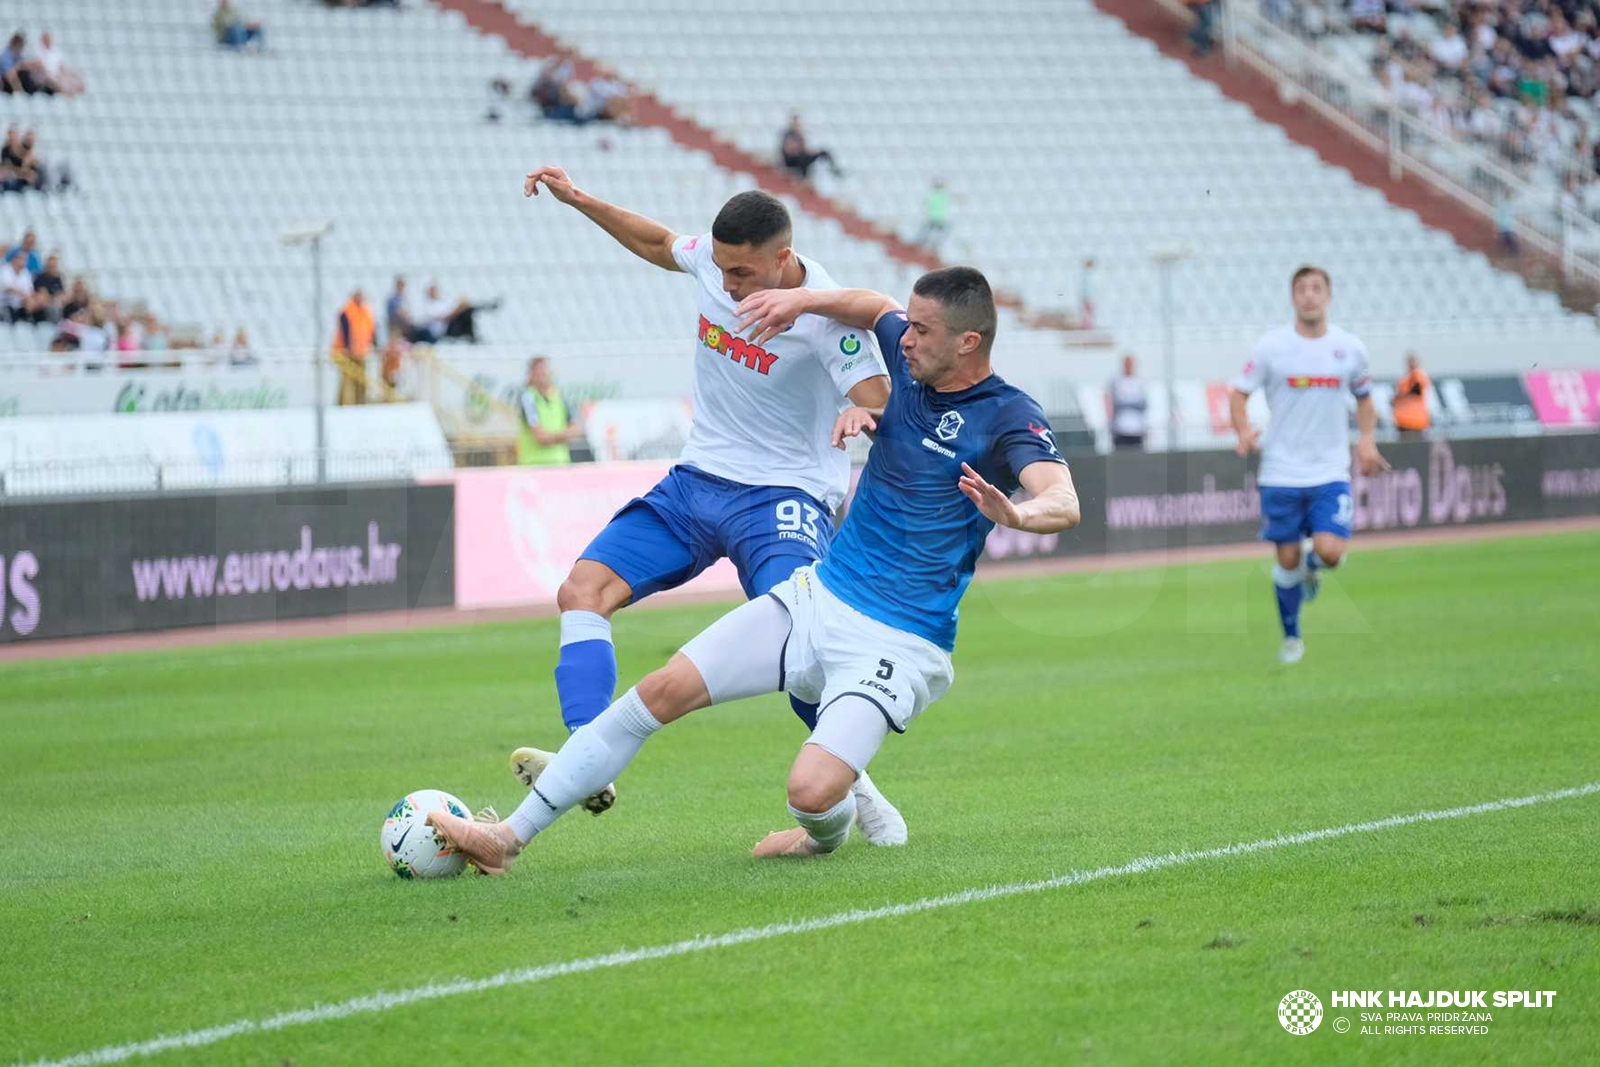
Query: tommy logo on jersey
[[722, 341]]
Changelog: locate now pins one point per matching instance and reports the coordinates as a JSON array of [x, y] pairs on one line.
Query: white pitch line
[[381, 1001]]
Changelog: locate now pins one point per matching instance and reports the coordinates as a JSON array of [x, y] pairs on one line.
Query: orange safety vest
[[1411, 402], [362, 330]]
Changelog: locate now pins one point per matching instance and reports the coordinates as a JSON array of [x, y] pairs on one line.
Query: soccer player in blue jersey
[[867, 633], [756, 483]]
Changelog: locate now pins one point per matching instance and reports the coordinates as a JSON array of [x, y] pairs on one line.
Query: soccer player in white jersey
[[1306, 368], [868, 632], [757, 481]]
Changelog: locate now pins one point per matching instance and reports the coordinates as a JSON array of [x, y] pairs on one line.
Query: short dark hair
[[752, 218], [1308, 270], [967, 300]]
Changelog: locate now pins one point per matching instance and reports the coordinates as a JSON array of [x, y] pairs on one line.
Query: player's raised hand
[[852, 421], [1248, 441], [770, 312], [553, 178], [1369, 460], [989, 500]]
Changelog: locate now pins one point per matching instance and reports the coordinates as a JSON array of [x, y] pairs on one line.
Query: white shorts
[[834, 650]]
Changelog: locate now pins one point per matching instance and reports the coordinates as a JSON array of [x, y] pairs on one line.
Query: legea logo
[[18, 579]]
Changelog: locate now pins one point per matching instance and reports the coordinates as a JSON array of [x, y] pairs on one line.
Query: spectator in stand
[[22, 302], [18, 73], [798, 156], [1369, 15], [1410, 403], [1449, 49], [78, 298], [29, 246], [84, 332], [19, 170], [935, 216], [351, 345], [1129, 406], [239, 355], [397, 318], [443, 318], [234, 30], [1202, 37], [48, 282], [548, 91], [62, 78], [1086, 308], [548, 429]]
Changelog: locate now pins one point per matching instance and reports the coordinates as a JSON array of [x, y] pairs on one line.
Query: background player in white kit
[[757, 481], [1306, 369]]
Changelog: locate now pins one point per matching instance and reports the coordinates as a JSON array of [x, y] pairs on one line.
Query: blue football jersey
[[908, 546]]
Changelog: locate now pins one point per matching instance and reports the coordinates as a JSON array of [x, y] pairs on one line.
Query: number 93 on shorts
[[834, 650]]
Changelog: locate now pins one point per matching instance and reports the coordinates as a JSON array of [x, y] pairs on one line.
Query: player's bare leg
[[1322, 551], [822, 782], [820, 797]]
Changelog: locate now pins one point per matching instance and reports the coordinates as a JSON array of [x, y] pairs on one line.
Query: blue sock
[[806, 711], [1289, 589], [1313, 561], [586, 673]]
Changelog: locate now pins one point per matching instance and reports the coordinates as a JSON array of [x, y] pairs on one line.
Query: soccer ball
[[411, 847]]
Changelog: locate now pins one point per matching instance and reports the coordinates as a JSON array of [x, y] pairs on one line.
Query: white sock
[[584, 626], [590, 760], [1285, 579], [831, 827]]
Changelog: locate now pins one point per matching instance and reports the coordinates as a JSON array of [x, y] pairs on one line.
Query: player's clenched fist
[[851, 422], [555, 179]]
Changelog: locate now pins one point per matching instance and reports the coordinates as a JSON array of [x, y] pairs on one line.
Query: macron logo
[[943, 451]]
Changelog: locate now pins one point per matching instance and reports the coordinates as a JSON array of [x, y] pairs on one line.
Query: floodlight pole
[[1165, 257], [316, 358], [312, 234]]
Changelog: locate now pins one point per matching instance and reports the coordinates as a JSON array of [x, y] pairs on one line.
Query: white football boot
[[879, 821], [528, 763], [1293, 650]]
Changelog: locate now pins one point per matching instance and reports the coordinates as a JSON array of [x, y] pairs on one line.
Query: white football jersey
[[764, 415], [1306, 379]]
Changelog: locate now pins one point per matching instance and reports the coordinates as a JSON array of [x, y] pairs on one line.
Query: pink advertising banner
[[520, 529], [1565, 397]]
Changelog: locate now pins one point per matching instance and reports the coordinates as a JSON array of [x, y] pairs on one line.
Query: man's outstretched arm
[[645, 238], [772, 311]]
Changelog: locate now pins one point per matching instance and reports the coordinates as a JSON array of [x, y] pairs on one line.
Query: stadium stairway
[[1063, 136]]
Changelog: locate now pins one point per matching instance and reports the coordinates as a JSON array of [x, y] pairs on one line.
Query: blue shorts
[[691, 519], [1291, 513]]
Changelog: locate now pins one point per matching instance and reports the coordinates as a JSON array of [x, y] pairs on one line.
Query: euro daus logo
[[19, 598]]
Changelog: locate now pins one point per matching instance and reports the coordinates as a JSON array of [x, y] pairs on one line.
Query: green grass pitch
[[193, 837]]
